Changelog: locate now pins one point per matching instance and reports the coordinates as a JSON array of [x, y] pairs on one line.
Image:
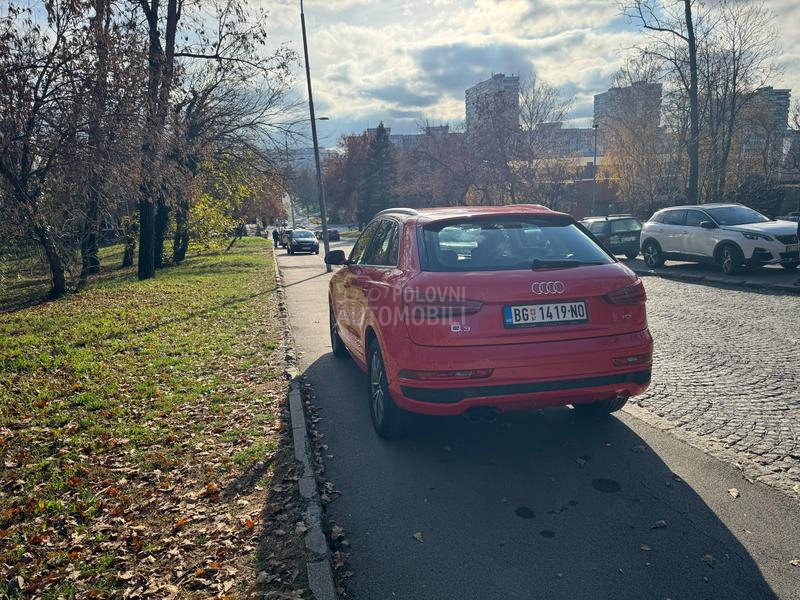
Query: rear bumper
[[524, 375]]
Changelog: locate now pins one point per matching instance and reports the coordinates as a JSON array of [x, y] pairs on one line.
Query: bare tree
[[674, 38], [640, 154], [735, 60], [541, 162], [41, 113]]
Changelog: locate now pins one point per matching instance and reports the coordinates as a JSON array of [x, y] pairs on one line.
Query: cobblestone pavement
[[727, 375]]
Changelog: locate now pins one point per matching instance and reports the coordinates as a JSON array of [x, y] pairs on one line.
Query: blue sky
[[407, 61]]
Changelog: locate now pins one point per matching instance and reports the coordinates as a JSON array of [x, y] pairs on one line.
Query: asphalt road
[[534, 505]]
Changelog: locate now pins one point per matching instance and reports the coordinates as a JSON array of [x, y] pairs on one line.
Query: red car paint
[[444, 366]]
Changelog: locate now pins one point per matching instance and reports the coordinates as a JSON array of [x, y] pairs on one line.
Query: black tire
[[790, 266], [631, 255], [730, 259], [388, 420], [337, 345], [601, 407], [316, 251], [653, 256]]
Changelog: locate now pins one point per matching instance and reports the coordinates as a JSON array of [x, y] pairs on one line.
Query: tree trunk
[[100, 25], [161, 69], [147, 238], [130, 250], [161, 223], [180, 242], [90, 260], [694, 110], [57, 275], [56, 267]]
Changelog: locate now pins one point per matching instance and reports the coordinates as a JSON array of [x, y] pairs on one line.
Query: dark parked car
[[619, 233], [333, 235], [302, 240]]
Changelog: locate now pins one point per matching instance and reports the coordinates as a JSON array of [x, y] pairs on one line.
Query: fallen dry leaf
[[418, 536], [734, 492], [645, 548], [659, 525]]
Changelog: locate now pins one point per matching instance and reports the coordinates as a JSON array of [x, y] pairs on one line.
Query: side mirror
[[335, 257], [708, 225]]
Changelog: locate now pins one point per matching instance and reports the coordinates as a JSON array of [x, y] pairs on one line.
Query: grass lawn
[[144, 438], [25, 282]]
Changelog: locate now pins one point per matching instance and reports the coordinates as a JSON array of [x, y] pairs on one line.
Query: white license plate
[[793, 248], [553, 313]]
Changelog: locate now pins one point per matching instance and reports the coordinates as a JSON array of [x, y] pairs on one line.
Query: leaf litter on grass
[[143, 438]]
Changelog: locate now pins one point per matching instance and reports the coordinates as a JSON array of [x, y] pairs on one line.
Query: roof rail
[[621, 215], [402, 211]]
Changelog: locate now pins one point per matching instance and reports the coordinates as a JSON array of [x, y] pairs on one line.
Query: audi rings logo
[[547, 288]]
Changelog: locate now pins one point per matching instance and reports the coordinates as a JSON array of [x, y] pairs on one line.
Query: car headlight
[[751, 235]]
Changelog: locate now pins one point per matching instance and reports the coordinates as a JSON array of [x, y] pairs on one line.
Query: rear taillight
[[632, 294], [433, 303], [439, 375], [629, 361]]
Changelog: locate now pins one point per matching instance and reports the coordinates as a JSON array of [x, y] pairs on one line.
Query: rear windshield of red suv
[[502, 244]]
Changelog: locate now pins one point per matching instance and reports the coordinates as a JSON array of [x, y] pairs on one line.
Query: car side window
[[362, 244], [625, 226], [394, 246], [695, 217], [378, 252], [674, 217], [598, 226]]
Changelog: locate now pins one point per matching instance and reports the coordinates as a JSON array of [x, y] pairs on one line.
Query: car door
[[698, 241], [624, 235], [380, 259], [348, 291], [673, 227]]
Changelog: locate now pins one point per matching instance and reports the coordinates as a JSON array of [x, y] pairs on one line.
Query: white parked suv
[[730, 235]]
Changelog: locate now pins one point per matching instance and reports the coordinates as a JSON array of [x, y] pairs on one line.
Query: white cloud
[[373, 59]]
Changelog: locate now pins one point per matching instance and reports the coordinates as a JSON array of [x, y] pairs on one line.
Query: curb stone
[[319, 567], [718, 280]]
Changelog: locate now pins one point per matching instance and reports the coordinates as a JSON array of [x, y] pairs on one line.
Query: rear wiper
[[560, 263]]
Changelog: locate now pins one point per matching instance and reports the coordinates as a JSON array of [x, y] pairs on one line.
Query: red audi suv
[[487, 309]]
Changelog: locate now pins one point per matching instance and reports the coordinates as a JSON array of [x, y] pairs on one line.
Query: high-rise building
[[493, 103], [775, 104], [639, 103], [765, 118]]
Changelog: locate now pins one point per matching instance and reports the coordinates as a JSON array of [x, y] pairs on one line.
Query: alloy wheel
[[650, 254], [376, 388]]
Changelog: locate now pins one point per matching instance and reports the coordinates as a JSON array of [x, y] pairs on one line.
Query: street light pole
[[321, 190], [287, 176], [594, 171]]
